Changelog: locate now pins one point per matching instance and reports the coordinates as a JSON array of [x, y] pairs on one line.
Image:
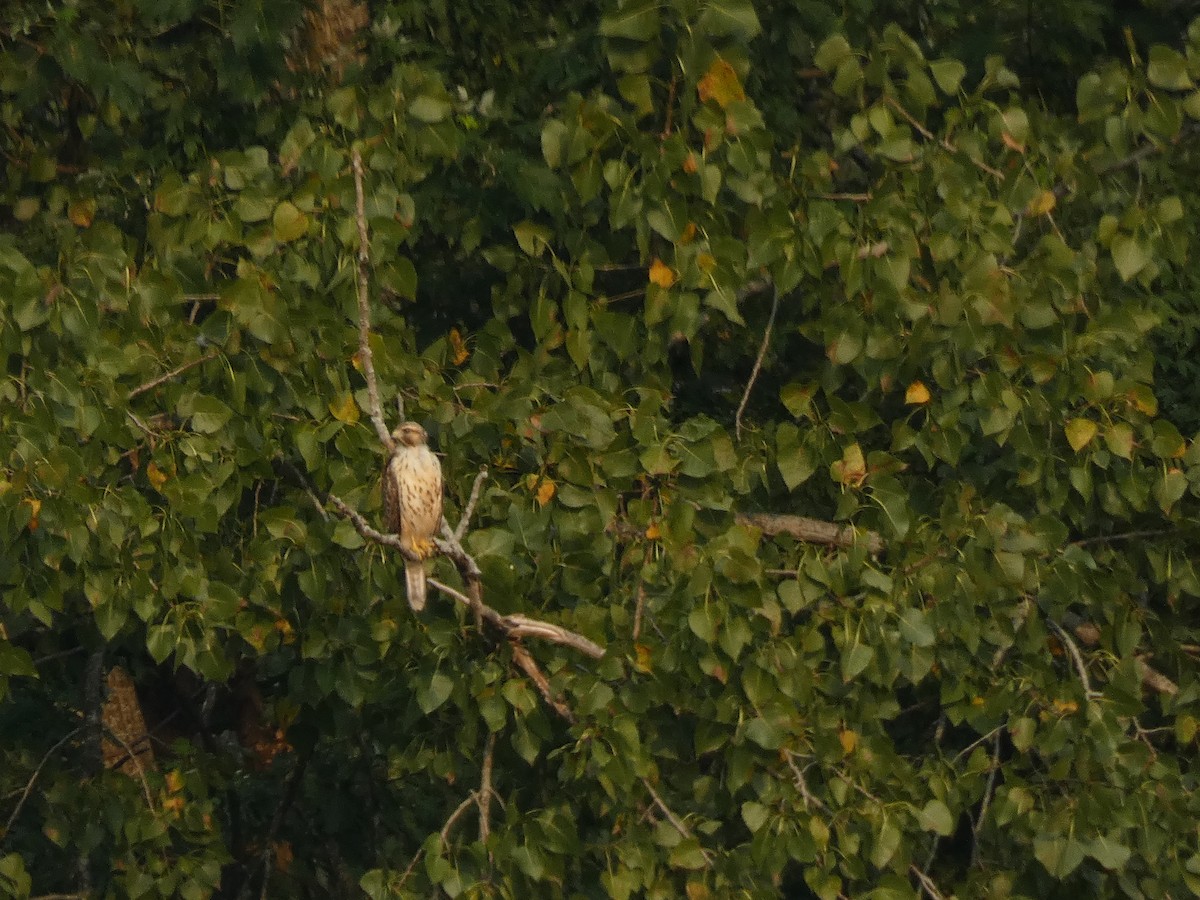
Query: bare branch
[[813, 531], [1077, 657], [364, 528], [133, 755], [762, 352], [675, 821], [364, 309], [944, 142], [485, 790], [33, 780], [468, 802], [1156, 680], [926, 883], [470, 507], [988, 790], [1125, 536], [529, 665], [1151, 677], [161, 379], [801, 782]]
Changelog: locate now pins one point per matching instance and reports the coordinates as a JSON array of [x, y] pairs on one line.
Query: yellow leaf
[[174, 781], [690, 165], [1080, 433], [1066, 707], [459, 353], [916, 394], [661, 274], [851, 469], [35, 507], [545, 492], [157, 476], [653, 533], [706, 262], [689, 233], [642, 658], [720, 84], [344, 409], [849, 740], [81, 212], [1041, 204]]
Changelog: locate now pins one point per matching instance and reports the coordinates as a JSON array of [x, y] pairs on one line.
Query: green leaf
[[1109, 853], [209, 414], [729, 18], [914, 627], [854, 659], [288, 223], [687, 854], [794, 462], [1129, 256], [429, 109], [765, 734], [833, 51], [1118, 438], [948, 73], [1060, 855], [1168, 69], [887, 842], [754, 815], [531, 237], [435, 693], [635, 21], [936, 817]]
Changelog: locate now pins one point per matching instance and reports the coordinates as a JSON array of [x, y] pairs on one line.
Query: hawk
[[412, 502]]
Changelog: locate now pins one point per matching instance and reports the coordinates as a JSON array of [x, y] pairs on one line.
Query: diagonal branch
[[167, 376], [364, 308], [469, 510], [677, 823], [762, 352]]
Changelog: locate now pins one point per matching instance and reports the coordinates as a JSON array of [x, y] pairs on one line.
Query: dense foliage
[[658, 266]]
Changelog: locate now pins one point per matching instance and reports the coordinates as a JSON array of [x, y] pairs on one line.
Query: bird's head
[[410, 434]]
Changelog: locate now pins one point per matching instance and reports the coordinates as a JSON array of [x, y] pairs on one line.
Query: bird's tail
[[414, 576]]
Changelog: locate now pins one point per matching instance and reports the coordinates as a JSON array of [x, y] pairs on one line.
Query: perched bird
[[412, 502]]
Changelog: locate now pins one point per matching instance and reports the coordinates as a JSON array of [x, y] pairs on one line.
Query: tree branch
[[813, 531], [675, 821], [364, 309], [33, 780], [762, 352], [529, 665], [162, 379], [469, 510]]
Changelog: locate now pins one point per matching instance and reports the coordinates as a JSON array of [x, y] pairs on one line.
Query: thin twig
[[137, 764], [926, 883], [364, 309], [471, 501], [444, 834], [944, 142], [801, 782], [290, 788], [762, 352], [161, 379], [485, 790], [1125, 536], [675, 821], [33, 780], [987, 798], [1077, 657]]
